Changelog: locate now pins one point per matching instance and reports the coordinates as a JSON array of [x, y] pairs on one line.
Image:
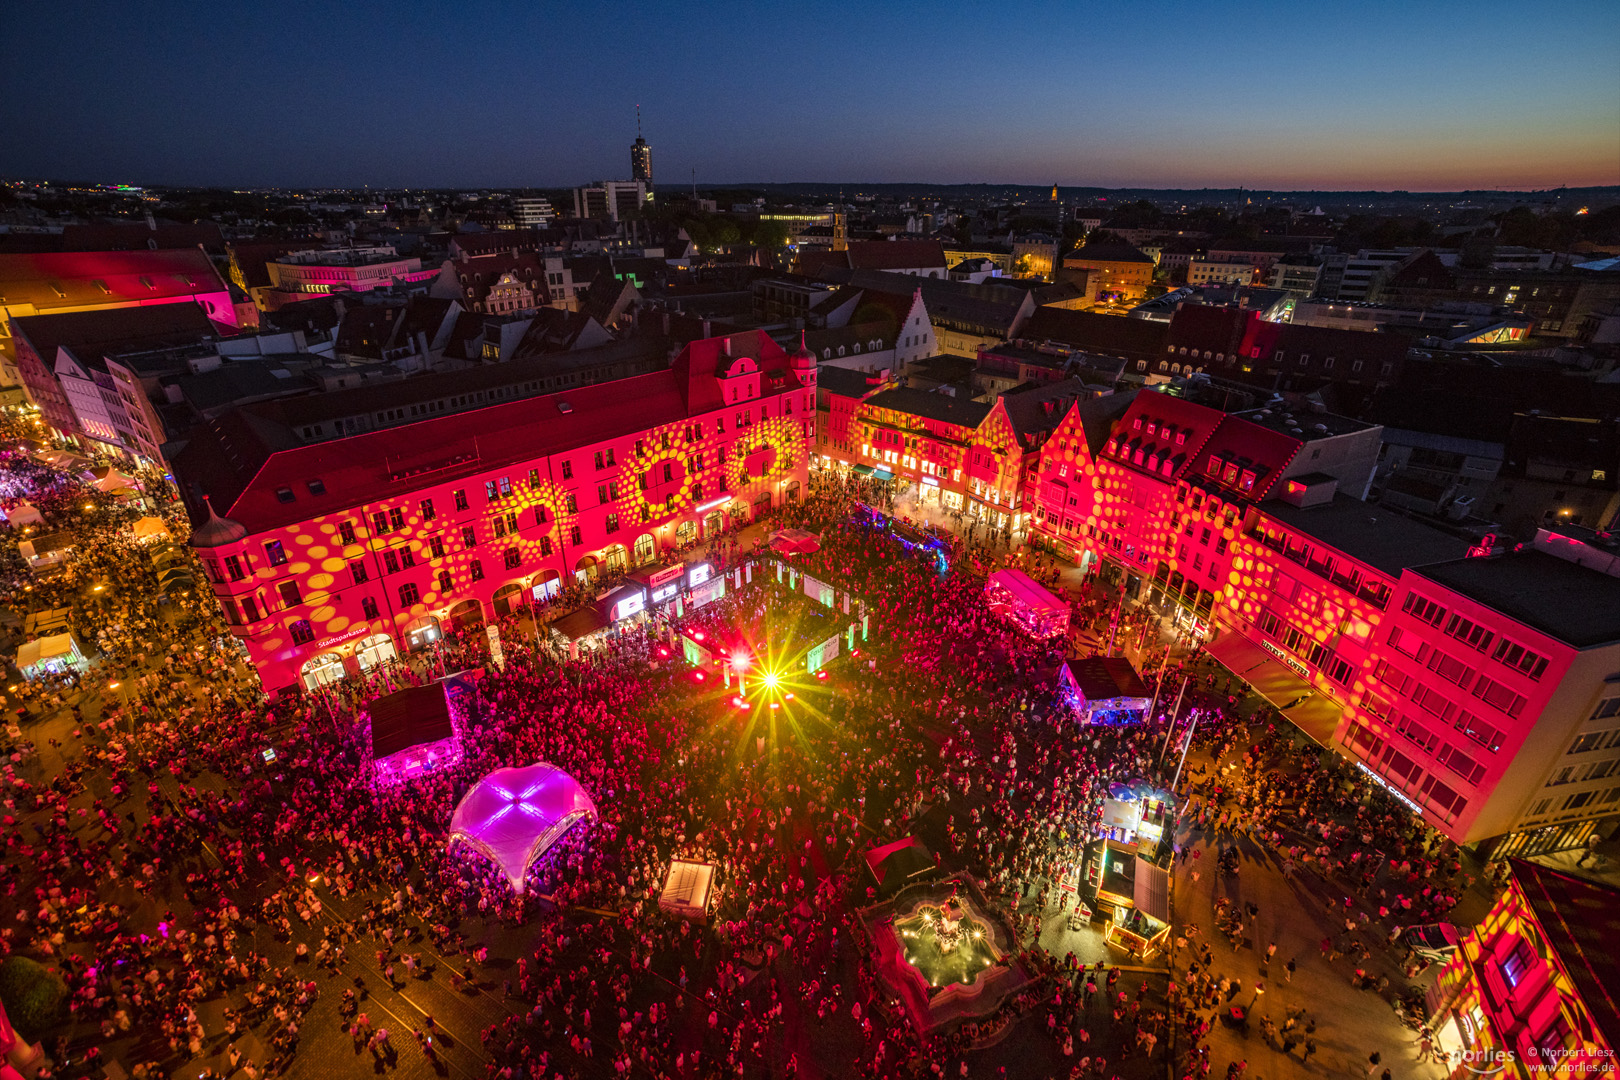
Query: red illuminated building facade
[[962, 455], [1478, 690], [331, 557], [1533, 989]]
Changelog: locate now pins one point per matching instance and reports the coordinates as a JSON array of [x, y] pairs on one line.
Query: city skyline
[[1445, 98]]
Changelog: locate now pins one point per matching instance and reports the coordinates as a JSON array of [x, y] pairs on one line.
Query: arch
[[374, 650], [545, 585], [616, 558], [685, 532], [467, 614], [646, 548], [587, 568], [507, 599], [322, 670], [712, 523], [422, 632]]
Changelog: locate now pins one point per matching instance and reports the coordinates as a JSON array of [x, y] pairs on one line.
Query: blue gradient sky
[[1420, 95]]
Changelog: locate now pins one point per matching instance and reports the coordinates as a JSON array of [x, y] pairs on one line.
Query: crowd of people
[[168, 864]]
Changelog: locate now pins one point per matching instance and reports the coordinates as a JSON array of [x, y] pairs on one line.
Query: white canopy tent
[[107, 478], [24, 513], [688, 890], [512, 816]]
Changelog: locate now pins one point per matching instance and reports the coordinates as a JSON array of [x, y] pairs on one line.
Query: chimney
[[705, 328], [725, 346]]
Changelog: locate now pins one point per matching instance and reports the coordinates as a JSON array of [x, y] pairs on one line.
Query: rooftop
[[1574, 604], [1303, 425], [1374, 535], [925, 403]]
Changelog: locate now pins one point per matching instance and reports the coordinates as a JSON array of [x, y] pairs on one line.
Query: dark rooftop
[[1375, 535], [1303, 424], [1574, 604], [925, 403]]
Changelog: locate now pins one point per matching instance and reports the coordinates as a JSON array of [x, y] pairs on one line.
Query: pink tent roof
[[512, 816], [1028, 591]]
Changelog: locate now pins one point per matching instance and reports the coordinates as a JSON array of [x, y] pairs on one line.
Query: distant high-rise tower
[[641, 157]]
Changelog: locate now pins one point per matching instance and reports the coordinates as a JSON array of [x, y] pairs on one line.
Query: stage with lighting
[[513, 816], [941, 956]]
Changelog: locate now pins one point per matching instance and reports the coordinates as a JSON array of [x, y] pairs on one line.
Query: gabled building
[[330, 557]]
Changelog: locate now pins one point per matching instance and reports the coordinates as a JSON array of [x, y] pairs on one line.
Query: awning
[[862, 470], [1318, 717], [148, 527], [882, 474], [1151, 890], [57, 647], [1259, 668]]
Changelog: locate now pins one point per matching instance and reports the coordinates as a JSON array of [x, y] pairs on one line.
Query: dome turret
[[217, 531]]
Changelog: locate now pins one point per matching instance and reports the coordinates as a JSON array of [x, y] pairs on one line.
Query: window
[[1478, 730], [396, 517], [1469, 633], [290, 596], [407, 557], [572, 503], [1518, 963], [601, 463], [436, 547], [1442, 798], [601, 494], [1431, 701], [379, 523], [568, 470], [1498, 696], [461, 499], [346, 532], [368, 607], [505, 486], [1420, 608], [1461, 764], [545, 547], [1419, 735], [574, 536], [285, 495], [514, 558], [1408, 643], [1450, 668], [490, 494], [390, 562], [302, 632], [357, 570], [233, 568], [477, 568], [426, 506], [469, 537], [613, 523], [1590, 741], [1519, 658], [409, 594]]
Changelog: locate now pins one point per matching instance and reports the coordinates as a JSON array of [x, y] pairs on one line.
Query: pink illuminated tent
[[795, 542], [512, 816]]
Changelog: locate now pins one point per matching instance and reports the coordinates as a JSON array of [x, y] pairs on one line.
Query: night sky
[[1421, 94]]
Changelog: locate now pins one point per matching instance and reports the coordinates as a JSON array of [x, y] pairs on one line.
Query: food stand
[[689, 890]]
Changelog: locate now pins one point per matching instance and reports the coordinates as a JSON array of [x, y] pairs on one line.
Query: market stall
[[1015, 595], [23, 514], [53, 654], [150, 528]]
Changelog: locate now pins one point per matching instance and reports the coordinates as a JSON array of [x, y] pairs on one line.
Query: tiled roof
[[81, 279], [137, 236], [896, 254], [1108, 251], [94, 333], [1109, 335], [925, 403]]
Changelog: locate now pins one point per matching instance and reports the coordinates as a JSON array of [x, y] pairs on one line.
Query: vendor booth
[[1015, 595], [661, 583], [150, 528], [1105, 690], [689, 890], [1135, 816], [24, 514], [49, 655], [46, 552], [1134, 893], [106, 479]]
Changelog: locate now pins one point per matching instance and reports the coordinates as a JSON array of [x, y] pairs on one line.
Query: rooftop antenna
[[638, 121]]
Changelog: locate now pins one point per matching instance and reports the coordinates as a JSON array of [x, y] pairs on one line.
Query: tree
[[31, 995]]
